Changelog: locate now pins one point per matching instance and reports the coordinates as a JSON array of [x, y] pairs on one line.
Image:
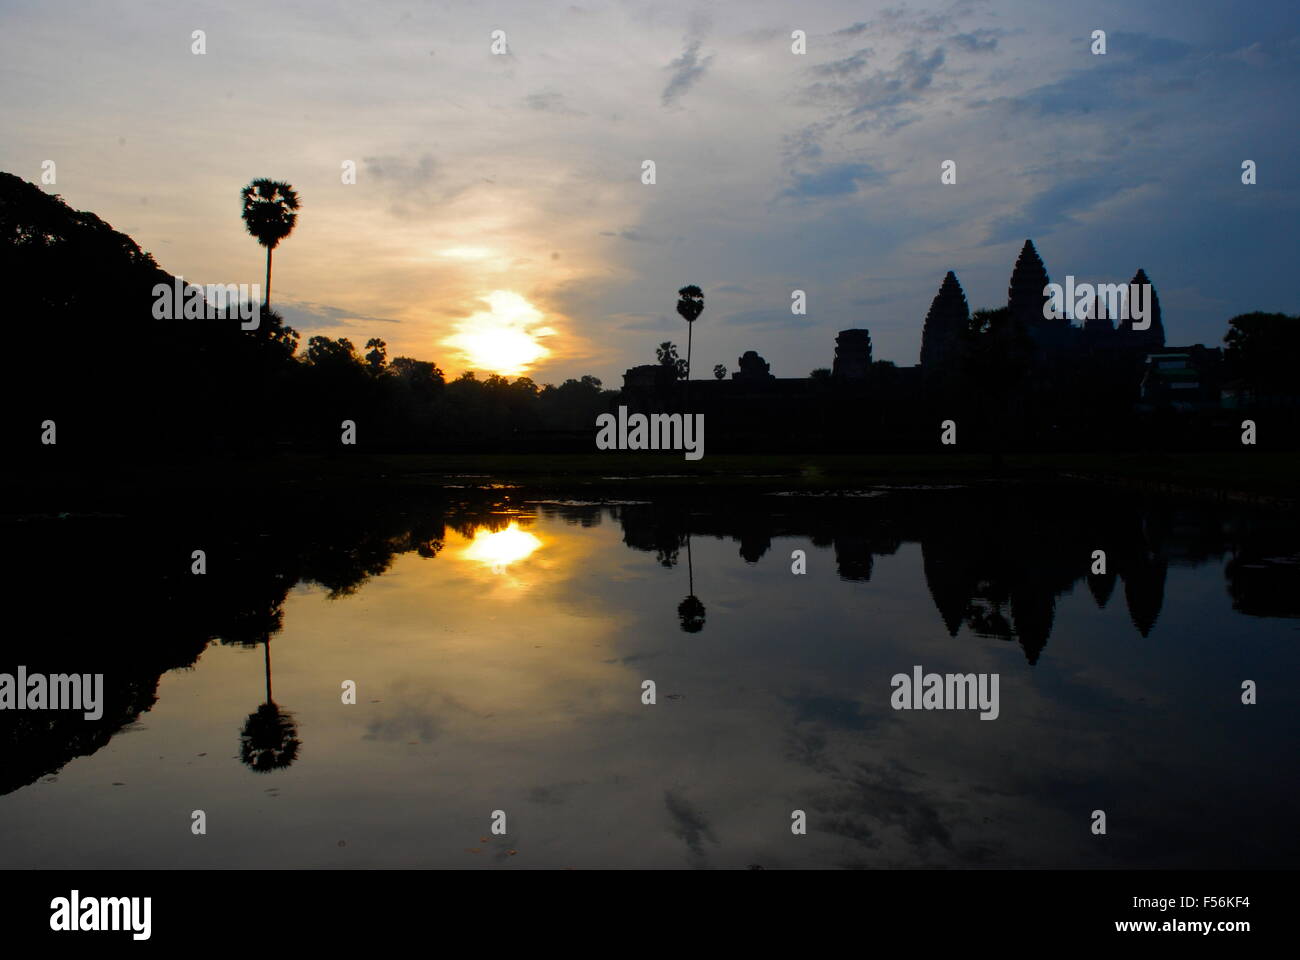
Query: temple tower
[[852, 355], [949, 315], [1152, 338], [1025, 293]]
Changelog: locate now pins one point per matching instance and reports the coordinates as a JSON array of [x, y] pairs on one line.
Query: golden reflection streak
[[498, 550]]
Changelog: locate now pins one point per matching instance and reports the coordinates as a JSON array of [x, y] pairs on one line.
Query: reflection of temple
[[1080, 376], [997, 561]]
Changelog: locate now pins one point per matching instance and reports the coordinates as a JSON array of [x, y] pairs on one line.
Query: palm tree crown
[[270, 211], [690, 302]]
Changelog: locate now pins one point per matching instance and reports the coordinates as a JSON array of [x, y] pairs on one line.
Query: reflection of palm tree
[[690, 611], [270, 212], [270, 737]]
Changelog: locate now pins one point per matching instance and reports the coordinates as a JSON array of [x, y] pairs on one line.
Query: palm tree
[[269, 740], [690, 612], [690, 304], [269, 214]]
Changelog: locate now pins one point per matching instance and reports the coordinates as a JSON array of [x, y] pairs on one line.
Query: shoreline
[[1265, 479]]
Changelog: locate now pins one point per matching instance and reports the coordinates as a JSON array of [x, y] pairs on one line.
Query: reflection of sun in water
[[504, 339], [499, 550]]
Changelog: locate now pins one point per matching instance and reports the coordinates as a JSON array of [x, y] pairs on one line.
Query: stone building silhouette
[[1081, 376]]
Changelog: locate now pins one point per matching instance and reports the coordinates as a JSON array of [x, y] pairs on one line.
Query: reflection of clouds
[[532, 700], [878, 793], [407, 723], [555, 794], [690, 824]]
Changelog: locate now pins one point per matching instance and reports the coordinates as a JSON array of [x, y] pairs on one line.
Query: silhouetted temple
[[945, 325], [1035, 372]]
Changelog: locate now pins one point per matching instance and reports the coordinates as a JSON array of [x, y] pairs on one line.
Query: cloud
[[402, 171], [879, 98], [769, 318], [832, 181], [305, 316], [632, 234], [844, 66], [1143, 67], [548, 101], [645, 321], [1054, 206], [686, 70], [978, 41], [690, 824], [408, 181]]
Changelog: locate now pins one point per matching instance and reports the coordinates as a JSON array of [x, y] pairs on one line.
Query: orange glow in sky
[[505, 338]]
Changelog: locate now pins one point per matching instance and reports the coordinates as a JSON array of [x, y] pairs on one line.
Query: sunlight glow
[[499, 550], [504, 339]]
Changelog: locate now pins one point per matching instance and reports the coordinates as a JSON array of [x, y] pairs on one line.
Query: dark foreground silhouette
[[115, 594], [116, 381]]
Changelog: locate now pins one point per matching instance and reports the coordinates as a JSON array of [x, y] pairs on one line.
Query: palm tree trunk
[[266, 303], [267, 645], [690, 329]]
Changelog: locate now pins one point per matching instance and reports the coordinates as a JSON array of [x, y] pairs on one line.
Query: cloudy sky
[[499, 198]]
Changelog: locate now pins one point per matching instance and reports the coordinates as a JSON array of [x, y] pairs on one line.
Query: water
[[499, 648]]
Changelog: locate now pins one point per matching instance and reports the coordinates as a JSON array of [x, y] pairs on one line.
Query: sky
[[499, 216]]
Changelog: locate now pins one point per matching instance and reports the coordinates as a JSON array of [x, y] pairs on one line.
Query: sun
[[505, 338], [498, 550]]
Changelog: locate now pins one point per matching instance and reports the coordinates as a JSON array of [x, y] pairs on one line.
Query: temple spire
[[949, 315], [1152, 338], [1025, 293], [1097, 322]]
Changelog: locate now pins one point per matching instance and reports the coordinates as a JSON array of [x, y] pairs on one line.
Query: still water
[[499, 646]]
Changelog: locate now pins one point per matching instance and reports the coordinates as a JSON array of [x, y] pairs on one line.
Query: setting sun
[[504, 339], [499, 550]]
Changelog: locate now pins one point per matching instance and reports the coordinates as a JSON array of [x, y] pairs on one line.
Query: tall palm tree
[[270, 212], [269, 740], [690, 612], [690, 304]]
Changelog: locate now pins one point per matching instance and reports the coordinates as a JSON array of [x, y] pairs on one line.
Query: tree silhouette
[[719, 372], [269, 740], [270, 212], [690, 612], [666, 353], [690, 304], [1260, 350], [378, 354]]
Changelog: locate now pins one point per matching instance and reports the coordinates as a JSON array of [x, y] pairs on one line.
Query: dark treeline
[[113, 378]]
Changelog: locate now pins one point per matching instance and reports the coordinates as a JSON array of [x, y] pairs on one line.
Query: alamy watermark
[[949, 691], [74, 913], [59, 691], [213, 301], [1122, 301], [656, 431]]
